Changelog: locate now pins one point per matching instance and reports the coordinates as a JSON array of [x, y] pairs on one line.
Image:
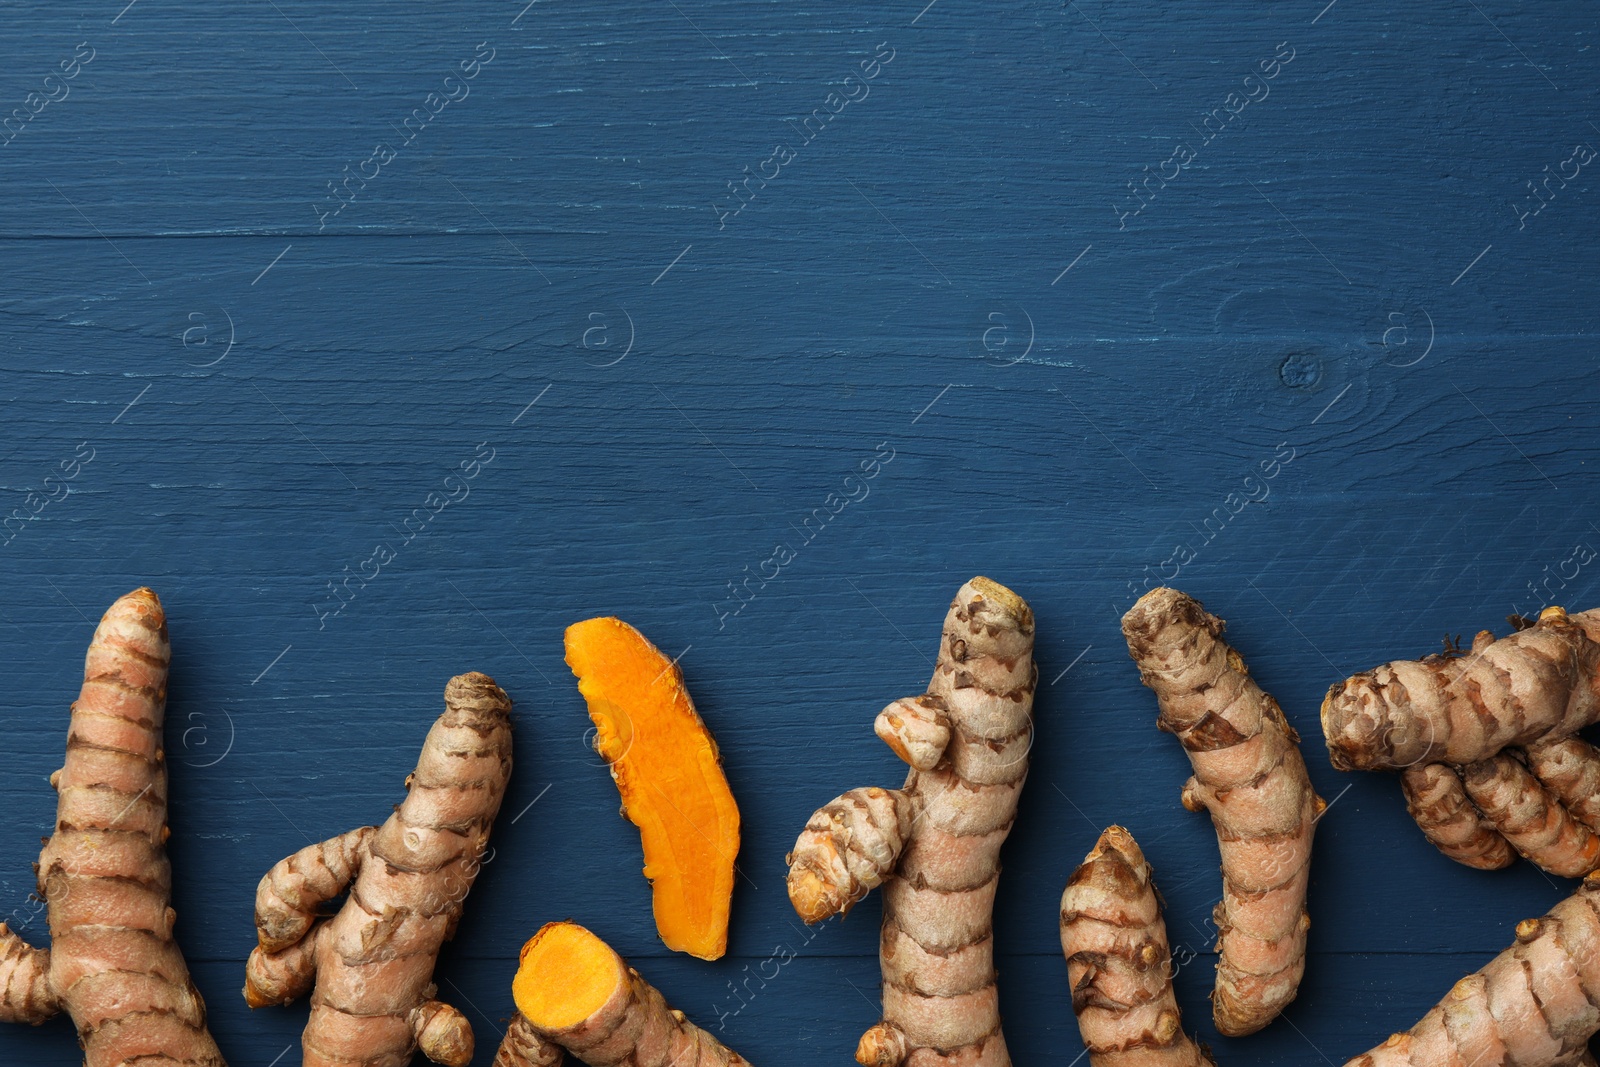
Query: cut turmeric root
[[668, 770], [574, 992]]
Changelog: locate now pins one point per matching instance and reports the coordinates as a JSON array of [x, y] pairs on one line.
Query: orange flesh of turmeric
[[567, 974], [669, 773]]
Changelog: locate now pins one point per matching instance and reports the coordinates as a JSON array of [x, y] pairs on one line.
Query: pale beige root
[[1439, 803], [524, 1047], [1528, 817], [1119, 962], [1570, 770], [934, 844], [849, 846], [1249, 774], [1533, 1004], [573, 991], [369, 968], [443, 1033], [25, 993], [113, 965], [288, 897], [1542, 683]]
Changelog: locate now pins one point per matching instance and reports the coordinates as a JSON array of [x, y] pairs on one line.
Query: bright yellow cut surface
[[667, 768], [567, 974]]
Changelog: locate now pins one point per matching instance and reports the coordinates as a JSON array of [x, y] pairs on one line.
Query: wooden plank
[[548, 286]]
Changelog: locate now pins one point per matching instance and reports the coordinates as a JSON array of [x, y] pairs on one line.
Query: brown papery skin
[[369, 969], [1540, 684], [1120, 962], [1529, 817], [1533, 1005], [934, 844], [1570, 769], [113, 965], [1439, 803], [1249, 774], [633, 1028]]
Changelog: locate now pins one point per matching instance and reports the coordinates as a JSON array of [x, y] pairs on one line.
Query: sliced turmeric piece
[[575, 994], [668, 770]]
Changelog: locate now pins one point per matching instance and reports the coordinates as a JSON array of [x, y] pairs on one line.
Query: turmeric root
[[934, 844], [1542, 683], [112, 964], [574, 992], [1530, 819], [1248, 772], [369, 969], [668, 770], [1120, 963], [1570, 770], [1533, 1004], [1439, 803], [1492, 730]]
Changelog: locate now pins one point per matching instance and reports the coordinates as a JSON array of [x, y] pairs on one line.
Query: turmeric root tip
[[1119, 961]]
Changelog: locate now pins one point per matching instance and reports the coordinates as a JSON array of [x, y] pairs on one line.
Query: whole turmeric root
[[574, 993], [1119, 961], [1534, 1004], [1485, 741], [1248, 772], [934, 845], [1538, 684], [369, 969], [112, 963]]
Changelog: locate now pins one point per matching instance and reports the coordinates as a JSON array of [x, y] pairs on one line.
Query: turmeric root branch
[[1570, 769], [1439, 803], [1540, 683], [289, 896], [1528, 817], [25, 993], [850, 845]]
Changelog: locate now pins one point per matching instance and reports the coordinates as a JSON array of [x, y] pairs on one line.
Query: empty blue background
[[1349, 271]]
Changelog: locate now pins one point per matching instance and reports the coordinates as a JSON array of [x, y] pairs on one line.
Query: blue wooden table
[[384, 341]]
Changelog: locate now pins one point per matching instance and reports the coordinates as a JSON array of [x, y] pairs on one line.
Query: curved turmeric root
[[574, 992], [1248, 772], [1539, 684], [1499, 720], [1120, 963], [934, 844], [1439, 803], [668, 770], [1533, 1004], [369, 969], [112, 963], [1529, 817]]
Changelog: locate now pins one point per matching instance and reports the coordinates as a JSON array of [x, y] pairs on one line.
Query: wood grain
[[902, 282]]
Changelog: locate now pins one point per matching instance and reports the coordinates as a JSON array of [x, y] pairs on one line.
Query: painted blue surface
[[1350, 269]]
